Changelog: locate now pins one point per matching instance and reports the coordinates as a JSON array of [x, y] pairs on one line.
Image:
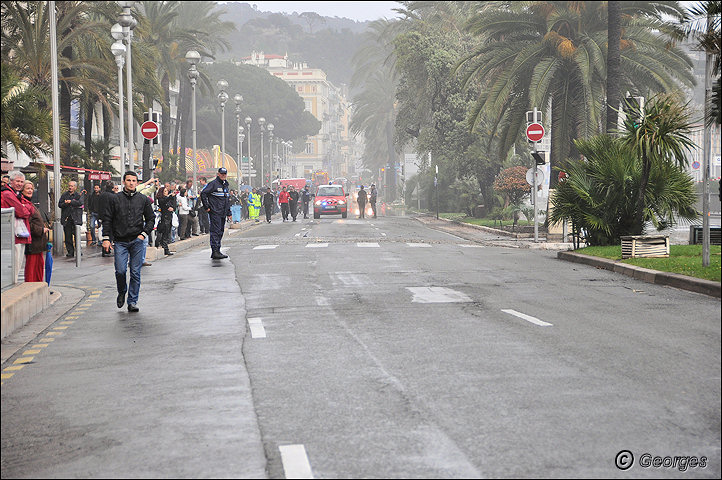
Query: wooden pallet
[[645, 246]]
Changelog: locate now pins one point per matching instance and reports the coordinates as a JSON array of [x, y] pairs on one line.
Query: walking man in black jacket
[[127, 221], [71, 214]]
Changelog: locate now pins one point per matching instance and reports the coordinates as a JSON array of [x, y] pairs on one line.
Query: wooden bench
[[645, 246]]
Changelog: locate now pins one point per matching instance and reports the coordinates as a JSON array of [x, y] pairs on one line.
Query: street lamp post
[[270, 150], [128, 23], [223, 98], [242, 137], [57, 227], [118, 50], [248, 129], [261, 123], [238, 99], [193, 58], [278, 158]]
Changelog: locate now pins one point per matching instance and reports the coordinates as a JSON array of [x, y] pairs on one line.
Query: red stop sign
[[534, 132], [149, 130]]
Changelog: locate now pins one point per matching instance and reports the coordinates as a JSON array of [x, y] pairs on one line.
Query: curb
[[524, 241], [20, 303], [684, 282]]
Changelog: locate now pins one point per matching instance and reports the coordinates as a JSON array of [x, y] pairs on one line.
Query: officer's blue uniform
[[216, 197]]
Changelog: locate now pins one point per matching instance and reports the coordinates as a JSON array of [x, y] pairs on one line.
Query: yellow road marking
[[74, 316], [48, 339], [60, 328], [66, 323], [93, 296], [23, 360], [97, 291], [40, 345], [31, 352], [13, 368], [54, 333], [5, 376]]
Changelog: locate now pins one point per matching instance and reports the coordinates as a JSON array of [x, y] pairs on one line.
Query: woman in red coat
[[11, 197], [34, 251]]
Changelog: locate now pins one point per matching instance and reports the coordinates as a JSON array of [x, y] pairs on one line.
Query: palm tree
[[26, 46], [542, 53], [598, 195], [24, 122], [614, 37], [660, 137], [172, 28], [709, 41], [375, 105]]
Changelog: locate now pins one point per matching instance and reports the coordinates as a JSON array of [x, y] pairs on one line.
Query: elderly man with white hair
[[12, 197]]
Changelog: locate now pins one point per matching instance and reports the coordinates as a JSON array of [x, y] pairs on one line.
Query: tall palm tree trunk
[[614, 34], [639, 211], [165, 123], [88, 139], [561, 130]]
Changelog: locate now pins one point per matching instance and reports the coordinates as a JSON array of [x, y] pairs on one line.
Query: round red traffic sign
[[149, 130], [534, 132]]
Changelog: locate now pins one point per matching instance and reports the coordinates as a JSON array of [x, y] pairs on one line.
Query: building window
[[309, 148]]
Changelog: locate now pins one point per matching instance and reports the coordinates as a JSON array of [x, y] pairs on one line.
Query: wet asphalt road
[[384, 348]]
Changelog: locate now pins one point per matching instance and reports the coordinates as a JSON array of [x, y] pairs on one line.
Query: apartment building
[[333, 149]]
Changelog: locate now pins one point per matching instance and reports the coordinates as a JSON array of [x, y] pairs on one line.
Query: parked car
[[330, 200]]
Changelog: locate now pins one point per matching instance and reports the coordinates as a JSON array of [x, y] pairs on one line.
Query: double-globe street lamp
[[223, 98], [118, 50], [239, 130], [128, 23], [193, 58]]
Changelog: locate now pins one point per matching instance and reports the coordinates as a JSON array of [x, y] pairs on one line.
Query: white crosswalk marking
[[256, 326], [265, 247], [316, 245], [418, 245], [437, 295], [367, 244]]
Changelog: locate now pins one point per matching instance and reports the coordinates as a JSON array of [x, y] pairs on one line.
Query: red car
[[330, 200]]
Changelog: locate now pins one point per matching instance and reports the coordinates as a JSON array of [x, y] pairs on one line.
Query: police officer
[[306, 199], [216, 201]]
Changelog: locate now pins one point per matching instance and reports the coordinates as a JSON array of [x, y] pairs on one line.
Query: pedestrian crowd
[[122, 218]]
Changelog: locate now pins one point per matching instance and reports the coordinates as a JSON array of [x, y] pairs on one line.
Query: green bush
[[598, 195]]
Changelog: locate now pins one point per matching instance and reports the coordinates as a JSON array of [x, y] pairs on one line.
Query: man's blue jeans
[[94, 217], [129, 253]]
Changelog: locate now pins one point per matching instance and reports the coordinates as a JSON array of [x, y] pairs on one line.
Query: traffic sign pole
[[534, 187]]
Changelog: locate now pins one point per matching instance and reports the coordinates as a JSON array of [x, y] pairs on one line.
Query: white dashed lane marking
[[528, 318], [295, 461]]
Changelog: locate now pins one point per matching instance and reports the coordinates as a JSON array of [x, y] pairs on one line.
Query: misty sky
[[359, 11]]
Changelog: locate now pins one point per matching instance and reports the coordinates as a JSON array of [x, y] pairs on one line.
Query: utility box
[[695, 235], [645, 246]]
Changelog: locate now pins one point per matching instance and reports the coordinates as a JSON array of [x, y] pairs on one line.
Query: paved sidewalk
[[93, 391]]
